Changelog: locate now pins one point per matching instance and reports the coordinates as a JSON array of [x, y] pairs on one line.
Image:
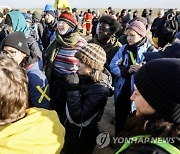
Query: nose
[[132, 97]]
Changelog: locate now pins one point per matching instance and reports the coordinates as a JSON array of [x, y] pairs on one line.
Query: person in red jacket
[[88, 19]]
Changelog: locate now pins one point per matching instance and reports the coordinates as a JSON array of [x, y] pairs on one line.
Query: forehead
[[9, 48], [130, 32], [104, 25]]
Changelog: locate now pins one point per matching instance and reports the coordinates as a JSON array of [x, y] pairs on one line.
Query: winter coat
[[166, 30], [155, 25], [38, 86], [38, 132], [48, 34], [122, 58], [85, 107]]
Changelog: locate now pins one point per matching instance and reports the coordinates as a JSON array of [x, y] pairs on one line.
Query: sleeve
[[114, 64], [34, 47], [40, 31], [81, 109], [39, 90]]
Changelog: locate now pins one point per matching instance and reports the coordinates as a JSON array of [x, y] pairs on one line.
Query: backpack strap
[[84, 124]]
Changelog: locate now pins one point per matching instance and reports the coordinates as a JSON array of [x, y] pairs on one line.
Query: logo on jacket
[[103, 140]]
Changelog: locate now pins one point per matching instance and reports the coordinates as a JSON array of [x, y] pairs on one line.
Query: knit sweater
[[65, 62]]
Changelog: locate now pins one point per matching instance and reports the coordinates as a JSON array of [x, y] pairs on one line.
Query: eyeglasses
[[11, 53]]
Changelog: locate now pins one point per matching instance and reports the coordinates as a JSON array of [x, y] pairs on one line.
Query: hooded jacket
[[19, 24], [38, 132], [37, 84]]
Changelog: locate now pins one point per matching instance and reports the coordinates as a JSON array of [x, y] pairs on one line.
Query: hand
[[71, 81], [134, 68]]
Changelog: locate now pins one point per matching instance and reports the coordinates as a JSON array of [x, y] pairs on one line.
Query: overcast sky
[[95, 3]]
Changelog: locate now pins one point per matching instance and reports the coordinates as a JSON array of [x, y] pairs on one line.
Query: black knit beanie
[[17, 40], [159, 83]]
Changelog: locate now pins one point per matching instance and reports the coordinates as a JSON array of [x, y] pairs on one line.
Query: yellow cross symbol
[[43, 93]]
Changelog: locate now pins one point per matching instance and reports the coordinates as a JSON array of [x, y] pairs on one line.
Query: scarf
[[68, 41]]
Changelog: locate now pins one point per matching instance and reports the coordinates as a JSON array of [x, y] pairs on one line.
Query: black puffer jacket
[[88, 100]]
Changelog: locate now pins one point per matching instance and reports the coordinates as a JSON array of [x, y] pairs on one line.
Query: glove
[[71, 81], [124, 71]]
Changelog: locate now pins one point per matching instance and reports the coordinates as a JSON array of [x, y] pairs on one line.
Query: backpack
[[170, 26], [34, 31]]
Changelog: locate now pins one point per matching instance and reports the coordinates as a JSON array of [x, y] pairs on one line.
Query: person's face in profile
[[83, 69], [142, 106]]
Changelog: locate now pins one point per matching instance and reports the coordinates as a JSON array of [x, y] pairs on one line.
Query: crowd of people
[[55, 84]]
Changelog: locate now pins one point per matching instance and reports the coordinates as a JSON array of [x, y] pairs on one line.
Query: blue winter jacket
[[115, 69], [38, 86]]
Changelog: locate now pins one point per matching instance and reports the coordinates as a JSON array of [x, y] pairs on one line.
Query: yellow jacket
[[40, 132]]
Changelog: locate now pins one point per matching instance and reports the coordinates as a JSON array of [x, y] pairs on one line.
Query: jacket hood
[[39, 131], [19, 22]]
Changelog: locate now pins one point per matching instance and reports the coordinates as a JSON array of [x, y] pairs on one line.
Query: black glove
[[71, 81], [124, 71]]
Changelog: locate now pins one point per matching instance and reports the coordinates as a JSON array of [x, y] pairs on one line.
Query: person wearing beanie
[[36, 16], [124, 65], [157, 101], [16, 22], [49, 26], [15, 46], [20, 125], [87, 92], [37, 29], [123, 38], [28, 19], [60, 60]]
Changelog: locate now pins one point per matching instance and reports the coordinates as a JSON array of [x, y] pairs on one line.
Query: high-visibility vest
[[164, 145]]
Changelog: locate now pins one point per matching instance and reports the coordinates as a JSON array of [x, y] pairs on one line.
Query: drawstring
[[80, 131]]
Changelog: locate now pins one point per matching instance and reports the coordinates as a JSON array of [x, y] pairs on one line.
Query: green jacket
[[110, 48]]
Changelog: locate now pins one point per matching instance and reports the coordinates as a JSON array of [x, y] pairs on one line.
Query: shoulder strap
[[84, 124], [164, 145]]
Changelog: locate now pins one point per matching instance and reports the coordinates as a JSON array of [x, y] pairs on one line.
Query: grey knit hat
[[138, 27], [158, 82], [92, 55]]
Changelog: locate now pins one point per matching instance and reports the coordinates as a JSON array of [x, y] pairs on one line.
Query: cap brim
[[152, 55]]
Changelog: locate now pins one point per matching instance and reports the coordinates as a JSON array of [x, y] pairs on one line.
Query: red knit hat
[[69, 18]]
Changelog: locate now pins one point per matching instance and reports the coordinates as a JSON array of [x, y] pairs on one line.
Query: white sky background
[[95, 3]]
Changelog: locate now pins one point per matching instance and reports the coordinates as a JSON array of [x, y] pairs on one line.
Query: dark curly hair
[[113, 23]]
